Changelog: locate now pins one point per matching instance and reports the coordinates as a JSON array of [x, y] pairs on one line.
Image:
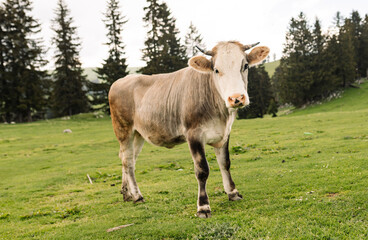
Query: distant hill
[[271, 67], [93, 77]]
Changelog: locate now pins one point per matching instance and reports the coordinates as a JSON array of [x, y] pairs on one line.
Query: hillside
[[353, 99], [271, 67], [302, 176], [93, 77]]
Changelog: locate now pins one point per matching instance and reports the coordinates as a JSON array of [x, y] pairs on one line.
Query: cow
[[196, 104]]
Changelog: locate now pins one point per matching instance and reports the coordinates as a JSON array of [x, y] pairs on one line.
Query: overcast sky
[[217, 20]]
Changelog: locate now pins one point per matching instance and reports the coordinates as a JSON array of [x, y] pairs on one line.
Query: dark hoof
[[139, 200], [204, 214], [235, 196]]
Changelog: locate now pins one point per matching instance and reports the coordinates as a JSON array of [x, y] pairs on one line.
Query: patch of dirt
[[331, 195]]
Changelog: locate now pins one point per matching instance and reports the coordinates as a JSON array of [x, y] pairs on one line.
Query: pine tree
[[114, 67], [347, 59], [333, 61], [24, 84], [69, 94], [317, 59], [323, 79], [335, 54], [296, 65], [338, 20], [278, 81], [152, 50], [261, 98], [173, 56], [163, 52], [192, 39], [356, 37], [2, 63], [364, 48]]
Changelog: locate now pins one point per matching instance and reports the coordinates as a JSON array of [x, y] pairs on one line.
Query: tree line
[[28, 92], [315, 64]]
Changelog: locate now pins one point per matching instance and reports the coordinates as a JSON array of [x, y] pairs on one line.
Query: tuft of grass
[[216, 231], [69, 212], [4, 215], [211, 157], [30, 215], [238, 149], [170, 166]]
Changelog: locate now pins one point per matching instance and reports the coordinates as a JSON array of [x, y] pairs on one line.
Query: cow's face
[[229, 65]]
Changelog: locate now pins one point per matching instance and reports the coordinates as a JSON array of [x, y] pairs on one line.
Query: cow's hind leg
[[202, 171], [223, 159], [125, 189], [137, 144], [129, 151]]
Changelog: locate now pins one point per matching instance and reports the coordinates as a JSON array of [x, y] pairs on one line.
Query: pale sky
[[247, 21]]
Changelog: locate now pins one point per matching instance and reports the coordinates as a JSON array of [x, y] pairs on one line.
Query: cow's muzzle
[[237, 101]]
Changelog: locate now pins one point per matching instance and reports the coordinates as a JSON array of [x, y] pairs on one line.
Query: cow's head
[[229, 65]]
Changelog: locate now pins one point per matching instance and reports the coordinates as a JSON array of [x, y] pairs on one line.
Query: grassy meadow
[[303, 176]]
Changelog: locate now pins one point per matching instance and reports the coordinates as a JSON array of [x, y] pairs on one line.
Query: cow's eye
[[216, 71], [246, 66]]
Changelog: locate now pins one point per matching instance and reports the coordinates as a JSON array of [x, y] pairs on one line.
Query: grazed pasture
[[303, 175]]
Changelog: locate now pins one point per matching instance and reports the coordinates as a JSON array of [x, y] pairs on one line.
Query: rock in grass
[[67, 131]]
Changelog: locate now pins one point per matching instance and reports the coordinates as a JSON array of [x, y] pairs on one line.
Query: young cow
[[197, 104]]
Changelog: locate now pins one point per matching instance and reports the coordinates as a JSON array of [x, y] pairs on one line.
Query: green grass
[[302, 176]]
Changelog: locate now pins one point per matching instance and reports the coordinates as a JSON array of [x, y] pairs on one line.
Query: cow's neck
[[202, 101]]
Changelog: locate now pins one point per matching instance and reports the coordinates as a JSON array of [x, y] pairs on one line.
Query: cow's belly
[[165, 141], [159, 135]]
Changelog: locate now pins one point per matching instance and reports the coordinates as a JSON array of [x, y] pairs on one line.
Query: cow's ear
[[200, 64], [257, 55]]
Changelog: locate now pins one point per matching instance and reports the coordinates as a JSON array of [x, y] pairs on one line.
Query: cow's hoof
[[235, 196], [204, 214], [140, 199], [127, 196]]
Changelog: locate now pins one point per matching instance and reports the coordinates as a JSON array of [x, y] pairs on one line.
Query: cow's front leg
[[128, 155], [223, 159], [202, 171]]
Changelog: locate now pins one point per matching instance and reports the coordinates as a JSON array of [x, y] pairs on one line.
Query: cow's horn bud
[[210, 53], [246, 47]]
